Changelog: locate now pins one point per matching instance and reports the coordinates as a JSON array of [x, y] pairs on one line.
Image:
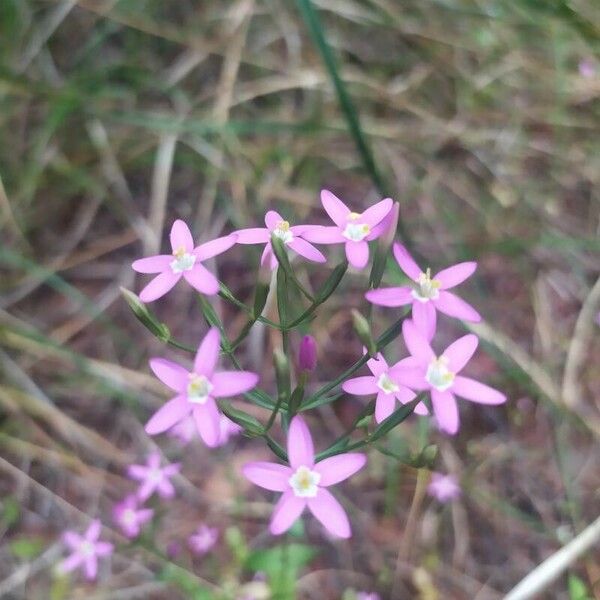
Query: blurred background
[[479, 116]]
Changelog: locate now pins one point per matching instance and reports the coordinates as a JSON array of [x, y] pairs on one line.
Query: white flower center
[[304, 482], [198, 389], [438, 374], [155, 475], [129, 516], [428, 288], [283, 232], [354, 231], [87, 549], [184, 261], [385, 384]]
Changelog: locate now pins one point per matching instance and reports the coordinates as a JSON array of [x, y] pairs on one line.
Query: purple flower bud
[[307, 357]]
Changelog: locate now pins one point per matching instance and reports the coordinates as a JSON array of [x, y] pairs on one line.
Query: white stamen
[[129, 517], [198, 389], [438, 374], [184, 261], [86, 548], [428, 288], [305, 483], [155, 475], [385, 384], [283, 232], [354, 231]]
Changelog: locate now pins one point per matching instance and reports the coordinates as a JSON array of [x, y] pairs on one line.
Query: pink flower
[[184, 430], [307, 355], [427, 293], [85, 550], [185, 261], [203, 540], [423, 370], [305, 483], [443, 487], [196, 390], [290, 236], [352, 229], [227, 429], [130, 517], [386, 383], [368, 596], [154, 478]]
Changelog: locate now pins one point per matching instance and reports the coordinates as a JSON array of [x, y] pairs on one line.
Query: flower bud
[[307, 356], [363, 330]]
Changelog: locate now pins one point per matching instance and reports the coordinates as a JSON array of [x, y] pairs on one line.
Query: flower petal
[[231, 383], [152, 264], [307, 250], [181, 237], [200, 278], [93, 531], [286, 512], [360, 386], [300, 447], [319, 234], [376, 213], [454, 306], [272, 219], [106, 548], [456, 274], [206, 417], [407, 262], [424, 317], [215, 247], [417, 343], [445, 410], [91, 567], [337, 468], [268, 256], [393, 296], [267, 475], [168, 415], [472, 390], [253, 235], [377, 365], [335, 208], [207, 354], [459, 352], [71, 539], [170, 373], [159, 286], [357, 254], [384, 406], [70, 563], [330, 513]]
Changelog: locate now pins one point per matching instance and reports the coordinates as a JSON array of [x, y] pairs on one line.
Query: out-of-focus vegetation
[[481, 117]]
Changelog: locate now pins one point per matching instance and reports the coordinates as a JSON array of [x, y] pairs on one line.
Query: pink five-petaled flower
[[423, 370], [428, 293], [186, 262], [443, 487], [352, 229], [386, 383], [368, 596], [197, 390], [203, 539], [154, 478], [304, 483], [85, 550], [291, 236], [130, 518]]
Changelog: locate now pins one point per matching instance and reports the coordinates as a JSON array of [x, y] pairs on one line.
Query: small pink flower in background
[[423, 370], [304, 483], [197, 390], [203, 539], [185, 261], [352, 229], [227, 429], [85, 550], [154, 478], [291, 236], [130, 517], [368, 596], [184, 430], [307, 355], [428, 293], [386, 383], [587, 68], [443, 487]]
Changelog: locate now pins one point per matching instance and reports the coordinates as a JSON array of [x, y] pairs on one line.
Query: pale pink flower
[[386, 382], [427, 293], [307, 355], [184, 430], [291, 236], [305, 483], [368, 596], [185, 261], [197, 389], [154, 478], [203, 539], [443, 487], [423, 370], [587, 68], [85, 550], [352, 229], [130, 517], [227, 429]]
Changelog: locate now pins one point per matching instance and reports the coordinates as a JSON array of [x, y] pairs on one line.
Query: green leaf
[[251, 425], [578, 589], [27, 547], [399, 415]]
